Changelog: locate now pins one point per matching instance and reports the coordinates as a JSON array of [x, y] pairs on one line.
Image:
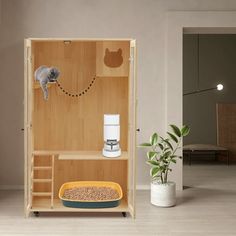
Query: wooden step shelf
[[41, 194], [42, 167], [80, 155], [42, 180]]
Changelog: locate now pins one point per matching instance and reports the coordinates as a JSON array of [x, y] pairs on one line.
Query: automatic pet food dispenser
[[111, 135]]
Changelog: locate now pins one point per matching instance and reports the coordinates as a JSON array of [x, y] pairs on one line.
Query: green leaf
[[173, 160], [165, 162], [168, 143], [145, 145], [173, 137], [162, 168], [166, 149], [173, 156], [176, 130], [185, 130], [156, 177], [153, 139], [154, 171], [154, 163], [151, 154], [167, 154], [161, 146]]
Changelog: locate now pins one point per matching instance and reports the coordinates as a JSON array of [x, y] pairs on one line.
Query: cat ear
[[107, 51], [119, 51]]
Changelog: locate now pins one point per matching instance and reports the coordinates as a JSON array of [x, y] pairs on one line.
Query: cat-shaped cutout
[[113, 59]]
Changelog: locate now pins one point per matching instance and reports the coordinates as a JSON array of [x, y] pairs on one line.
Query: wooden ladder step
[[41, 194], [42, 167], [42, 180]]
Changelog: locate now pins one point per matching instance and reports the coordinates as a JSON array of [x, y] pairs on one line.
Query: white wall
[[144, 20]]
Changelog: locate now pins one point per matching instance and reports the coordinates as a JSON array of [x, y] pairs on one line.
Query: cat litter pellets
[[91, 194]]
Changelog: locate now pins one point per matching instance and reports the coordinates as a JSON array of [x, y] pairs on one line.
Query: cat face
[[54, 73], [113, 58]]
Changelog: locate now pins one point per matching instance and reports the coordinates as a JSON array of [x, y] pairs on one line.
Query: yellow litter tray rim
[[78, 184]]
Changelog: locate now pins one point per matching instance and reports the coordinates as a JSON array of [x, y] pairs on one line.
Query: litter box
[[88, 203]]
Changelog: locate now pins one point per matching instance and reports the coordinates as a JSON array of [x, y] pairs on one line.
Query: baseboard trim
[[11, 187]]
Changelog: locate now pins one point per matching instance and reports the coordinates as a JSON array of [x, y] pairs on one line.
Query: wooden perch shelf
[[80, 155], [36, 85]]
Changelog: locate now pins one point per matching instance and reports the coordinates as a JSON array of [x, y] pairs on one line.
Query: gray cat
[[44, 75]]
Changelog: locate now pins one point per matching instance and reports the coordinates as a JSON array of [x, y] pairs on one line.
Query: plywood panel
[[78, 170], [226, 127], [65, 123], [66, 171], [43, 205], [109, 51]]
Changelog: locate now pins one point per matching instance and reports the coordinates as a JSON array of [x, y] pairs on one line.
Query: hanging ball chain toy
[[76, 94], [45, 75]]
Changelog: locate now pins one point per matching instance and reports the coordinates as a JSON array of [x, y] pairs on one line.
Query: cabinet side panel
[[27, 122], [132, 130]]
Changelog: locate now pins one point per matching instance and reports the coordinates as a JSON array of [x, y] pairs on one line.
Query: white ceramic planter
[[163, 195]]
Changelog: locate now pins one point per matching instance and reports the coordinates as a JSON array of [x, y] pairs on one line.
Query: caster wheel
[[124, 214], [36, 213]]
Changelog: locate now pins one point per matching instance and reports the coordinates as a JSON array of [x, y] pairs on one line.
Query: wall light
[[220, 87]]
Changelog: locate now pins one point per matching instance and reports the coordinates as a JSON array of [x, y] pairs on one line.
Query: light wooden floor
[[207, 207]]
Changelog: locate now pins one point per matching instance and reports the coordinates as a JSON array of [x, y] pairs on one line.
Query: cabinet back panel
[[83, 170], [67, 123]]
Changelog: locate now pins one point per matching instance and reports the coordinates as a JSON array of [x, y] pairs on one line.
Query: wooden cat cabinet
[[64, 135]]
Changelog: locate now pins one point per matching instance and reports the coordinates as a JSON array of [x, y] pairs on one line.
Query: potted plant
[[161, 154]]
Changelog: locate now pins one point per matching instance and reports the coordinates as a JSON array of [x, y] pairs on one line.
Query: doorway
[[180, 22], [209, 108]]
